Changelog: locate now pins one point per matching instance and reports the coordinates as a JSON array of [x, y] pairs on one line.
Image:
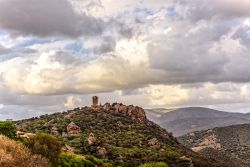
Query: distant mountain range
[[184, 120], [228, 144]]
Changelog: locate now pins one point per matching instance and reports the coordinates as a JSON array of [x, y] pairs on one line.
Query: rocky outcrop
[[54, 131], [67, 148], [135, 112], [101, 151], [73, 129], [208, 142], [154, 143], [50, 123], [106, 106], [24, 135], [91, 139], [69, 115]]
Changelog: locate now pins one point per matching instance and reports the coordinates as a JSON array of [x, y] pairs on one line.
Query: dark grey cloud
[[7, 97], [17, 112], [47, 18]]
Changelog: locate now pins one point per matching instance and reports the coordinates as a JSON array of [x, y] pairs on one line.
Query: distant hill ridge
[[184, 120]]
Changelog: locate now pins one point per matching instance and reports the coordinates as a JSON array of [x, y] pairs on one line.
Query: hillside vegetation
[[223, 143], [15, 154], [117, 135]]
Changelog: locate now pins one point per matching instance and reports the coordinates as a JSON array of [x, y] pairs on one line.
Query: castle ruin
[[95, 101]]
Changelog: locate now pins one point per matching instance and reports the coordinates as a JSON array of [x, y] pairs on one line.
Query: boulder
[[24, 135], [154, 143], [116, 106], [69, 115], [54, 131], [91, 139], [122, 109], [50, 123], [101, 151], [73, 129], [107, 106], [69, 149]]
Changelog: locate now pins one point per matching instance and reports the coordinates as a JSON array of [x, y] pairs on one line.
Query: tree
[[8, 129], [45, 145]]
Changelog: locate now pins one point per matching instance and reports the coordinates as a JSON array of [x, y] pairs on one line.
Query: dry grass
[[14, 154]]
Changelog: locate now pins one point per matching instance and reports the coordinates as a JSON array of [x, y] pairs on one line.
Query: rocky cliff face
[[135, 112]]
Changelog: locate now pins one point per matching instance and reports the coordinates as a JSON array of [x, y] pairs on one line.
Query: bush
[[45, 145], [8, 129], [13, 154], [154, 164], [71, 160]]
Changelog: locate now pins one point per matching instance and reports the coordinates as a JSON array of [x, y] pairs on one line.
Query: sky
[[56, 54]]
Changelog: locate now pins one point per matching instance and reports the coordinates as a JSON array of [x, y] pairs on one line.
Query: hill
[[118, 134], [231, 141], [184, 120]]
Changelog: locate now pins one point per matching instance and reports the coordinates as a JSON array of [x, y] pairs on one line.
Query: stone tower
[[95, 101]]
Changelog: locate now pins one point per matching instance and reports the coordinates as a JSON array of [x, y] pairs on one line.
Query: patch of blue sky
[[6, 57], [78, 48], [32, 41], [171, 10], [143, 12], [3, 33]]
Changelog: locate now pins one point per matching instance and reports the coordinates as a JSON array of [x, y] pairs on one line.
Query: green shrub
[[71, 160], [154, 164], [8, 129], [45, 145]]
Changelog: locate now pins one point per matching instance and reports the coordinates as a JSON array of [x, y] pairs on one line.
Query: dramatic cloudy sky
[[56, 54]]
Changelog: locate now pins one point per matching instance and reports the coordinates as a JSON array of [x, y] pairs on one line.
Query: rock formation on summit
[[135, 112]]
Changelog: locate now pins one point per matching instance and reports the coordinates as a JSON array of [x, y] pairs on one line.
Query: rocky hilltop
[[134, 112], [117, 134]]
